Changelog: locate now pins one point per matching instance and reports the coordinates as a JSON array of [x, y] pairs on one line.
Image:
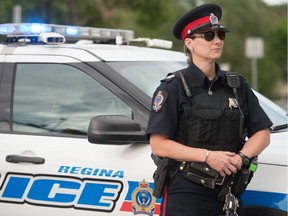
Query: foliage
[[150, 18]]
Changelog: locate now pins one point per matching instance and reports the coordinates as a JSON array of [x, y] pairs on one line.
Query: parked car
[[73, 119]]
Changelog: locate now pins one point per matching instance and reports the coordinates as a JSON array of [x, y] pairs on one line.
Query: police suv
[[74, 104]]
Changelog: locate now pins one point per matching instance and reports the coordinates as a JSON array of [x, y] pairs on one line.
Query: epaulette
[[169, 77], [242, 77]]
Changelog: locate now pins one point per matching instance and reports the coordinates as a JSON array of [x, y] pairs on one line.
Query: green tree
[[150, 18]]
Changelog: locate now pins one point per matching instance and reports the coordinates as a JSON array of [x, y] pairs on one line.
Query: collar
[[200, 78]]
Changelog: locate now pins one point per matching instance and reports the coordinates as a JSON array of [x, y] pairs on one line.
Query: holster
[[238, 183], [166, 169], [241, 180]]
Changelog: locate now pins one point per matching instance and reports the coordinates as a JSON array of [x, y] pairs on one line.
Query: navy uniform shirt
[[169, 99]]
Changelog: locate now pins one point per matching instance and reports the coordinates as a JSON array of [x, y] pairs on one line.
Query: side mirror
[[115, 129]]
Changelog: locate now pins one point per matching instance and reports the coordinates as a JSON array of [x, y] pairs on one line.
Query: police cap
[[201, 19]]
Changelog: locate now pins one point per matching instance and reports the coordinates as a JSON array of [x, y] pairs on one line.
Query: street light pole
[[254, 69], [254, 50], [17, 14]]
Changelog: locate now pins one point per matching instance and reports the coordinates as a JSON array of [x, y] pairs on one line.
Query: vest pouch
[[201, 127], [232, 125]]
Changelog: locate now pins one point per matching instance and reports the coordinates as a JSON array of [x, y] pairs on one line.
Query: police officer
[[198, 117]]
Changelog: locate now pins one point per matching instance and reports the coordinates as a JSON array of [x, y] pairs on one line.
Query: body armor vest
[[210, 121]]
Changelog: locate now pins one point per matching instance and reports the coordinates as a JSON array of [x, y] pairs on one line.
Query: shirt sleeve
[[257, 119], [163, 118]]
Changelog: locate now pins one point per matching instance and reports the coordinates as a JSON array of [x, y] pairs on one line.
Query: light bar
[[57, 34], [69, 32]]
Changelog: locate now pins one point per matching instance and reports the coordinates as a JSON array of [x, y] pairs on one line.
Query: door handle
[[24, 159]]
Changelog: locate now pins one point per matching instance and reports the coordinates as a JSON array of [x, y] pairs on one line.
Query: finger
[[236, 163], [238, 166], [222, 173], [229, 153], [234, 169], [227, 171]]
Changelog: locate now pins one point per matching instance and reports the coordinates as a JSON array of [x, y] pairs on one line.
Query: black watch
[[245, 159]]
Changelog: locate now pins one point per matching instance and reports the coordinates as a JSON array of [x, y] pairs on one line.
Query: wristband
[[207, 154]]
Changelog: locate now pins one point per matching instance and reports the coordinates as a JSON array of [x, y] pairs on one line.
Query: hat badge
[[214, 19]]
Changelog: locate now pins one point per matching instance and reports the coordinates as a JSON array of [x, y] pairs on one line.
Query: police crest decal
[[143, 202]]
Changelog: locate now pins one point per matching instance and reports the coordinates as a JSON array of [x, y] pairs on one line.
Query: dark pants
[[185, 198]]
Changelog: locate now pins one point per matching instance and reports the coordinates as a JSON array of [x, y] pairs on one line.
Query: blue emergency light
[[90, 33], [58, 34], [70, 30]]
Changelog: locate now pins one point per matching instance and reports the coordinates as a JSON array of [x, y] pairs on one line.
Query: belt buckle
[[222, 181]]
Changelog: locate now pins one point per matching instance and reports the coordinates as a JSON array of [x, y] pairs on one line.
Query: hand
[[224, 162], [237, 161]]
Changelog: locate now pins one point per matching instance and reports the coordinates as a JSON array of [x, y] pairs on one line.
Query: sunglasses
[[210, 35]]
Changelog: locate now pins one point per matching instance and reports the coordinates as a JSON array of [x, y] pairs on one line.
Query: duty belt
[[201, 173]]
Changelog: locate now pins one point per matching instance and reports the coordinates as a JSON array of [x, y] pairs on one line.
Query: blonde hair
[[188, 53]]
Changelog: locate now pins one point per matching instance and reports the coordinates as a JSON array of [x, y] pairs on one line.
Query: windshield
[[277, 115], [147, 75]]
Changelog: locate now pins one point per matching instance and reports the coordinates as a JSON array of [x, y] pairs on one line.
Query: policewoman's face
[[206, 47]]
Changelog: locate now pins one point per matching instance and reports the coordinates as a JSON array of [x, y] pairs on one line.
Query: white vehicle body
[[47, 172]]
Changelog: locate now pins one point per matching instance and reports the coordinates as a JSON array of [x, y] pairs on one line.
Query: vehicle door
[[47, 165]]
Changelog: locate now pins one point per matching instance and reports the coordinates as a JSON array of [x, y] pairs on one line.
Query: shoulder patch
[[159, 100]]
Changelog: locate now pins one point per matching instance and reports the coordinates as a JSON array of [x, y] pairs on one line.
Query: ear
[[189, 43]]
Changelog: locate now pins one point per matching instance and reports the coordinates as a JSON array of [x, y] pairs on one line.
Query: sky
[[275, 2]]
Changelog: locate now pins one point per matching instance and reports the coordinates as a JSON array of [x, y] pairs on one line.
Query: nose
[[217, 37]]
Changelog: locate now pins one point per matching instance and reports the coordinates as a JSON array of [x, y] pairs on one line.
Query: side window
[[59, 98]]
